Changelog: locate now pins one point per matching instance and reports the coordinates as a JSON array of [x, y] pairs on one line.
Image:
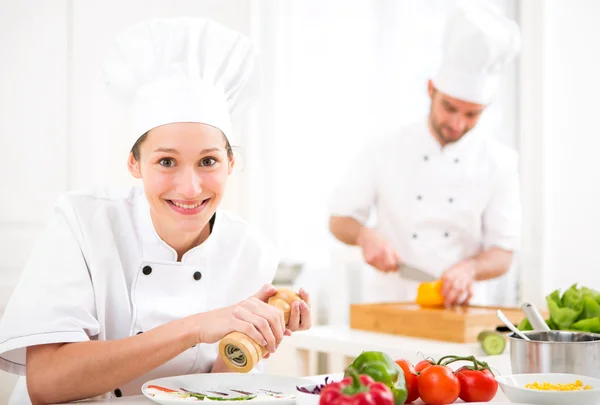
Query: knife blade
[[413, 273]]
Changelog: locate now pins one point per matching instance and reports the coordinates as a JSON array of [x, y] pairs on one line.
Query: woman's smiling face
[[184, 168]]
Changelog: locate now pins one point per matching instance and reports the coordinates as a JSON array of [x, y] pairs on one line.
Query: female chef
[[131, 285]]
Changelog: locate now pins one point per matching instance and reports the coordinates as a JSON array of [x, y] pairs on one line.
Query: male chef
[[444, 193]]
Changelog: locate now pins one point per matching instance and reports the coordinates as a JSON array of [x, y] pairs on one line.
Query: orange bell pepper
[[429, 295]]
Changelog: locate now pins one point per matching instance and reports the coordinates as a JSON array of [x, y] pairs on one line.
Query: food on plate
[[230, 394], [546, 386], [429, 295], [576, 309], [491, 342], [317, 388], [356, 389], [381, 367]]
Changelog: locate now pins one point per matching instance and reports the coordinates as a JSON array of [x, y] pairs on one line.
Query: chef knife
[[413, 273]]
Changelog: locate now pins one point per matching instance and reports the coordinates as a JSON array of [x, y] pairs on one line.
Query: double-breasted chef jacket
[[435, 205], [101, 272]]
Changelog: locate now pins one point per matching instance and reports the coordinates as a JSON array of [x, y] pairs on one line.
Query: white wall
[[572, 194], [560, 115], [352, 69], [59, 129], [33, 125], [33, 128]]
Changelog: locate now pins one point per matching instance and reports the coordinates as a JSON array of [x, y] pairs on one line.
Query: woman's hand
[[253, 316], [300, 315]]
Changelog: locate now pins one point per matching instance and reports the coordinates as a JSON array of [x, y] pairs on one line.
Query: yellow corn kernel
[[546, 386]]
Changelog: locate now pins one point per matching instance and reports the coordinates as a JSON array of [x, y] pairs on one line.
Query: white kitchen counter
[[342, 344], [500, 364]]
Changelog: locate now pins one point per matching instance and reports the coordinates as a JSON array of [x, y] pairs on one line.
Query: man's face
[[450, 118]]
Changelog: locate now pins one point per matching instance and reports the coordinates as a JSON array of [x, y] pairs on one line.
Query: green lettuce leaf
[[587, 325], [564, 317]]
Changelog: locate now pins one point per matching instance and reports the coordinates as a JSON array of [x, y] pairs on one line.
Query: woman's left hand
[[300, 314]]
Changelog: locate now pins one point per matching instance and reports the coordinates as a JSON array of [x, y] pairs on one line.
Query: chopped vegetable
[[429, 295], [492, 342], [157, 387], [546, 386], [318, 388]]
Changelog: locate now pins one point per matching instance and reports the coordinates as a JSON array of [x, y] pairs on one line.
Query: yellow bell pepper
[[429, 295]]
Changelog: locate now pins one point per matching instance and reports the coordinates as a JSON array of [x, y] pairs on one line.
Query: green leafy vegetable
[[577, 309], [565, 316], [587, 325]]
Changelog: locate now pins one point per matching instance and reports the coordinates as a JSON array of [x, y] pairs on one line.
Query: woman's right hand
[[262, 322]]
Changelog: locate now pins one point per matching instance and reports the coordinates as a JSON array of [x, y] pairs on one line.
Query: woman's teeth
[[187, 206]]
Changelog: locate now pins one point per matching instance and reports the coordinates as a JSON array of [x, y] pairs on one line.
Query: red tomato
[[411, 377], [422, 365], [438, 385], [476, 385]]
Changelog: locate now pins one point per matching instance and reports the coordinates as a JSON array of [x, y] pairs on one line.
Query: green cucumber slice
[[493, 343]]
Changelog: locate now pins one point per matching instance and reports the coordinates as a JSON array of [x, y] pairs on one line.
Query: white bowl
[[513, 387]]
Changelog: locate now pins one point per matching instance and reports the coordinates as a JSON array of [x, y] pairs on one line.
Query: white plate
[[223, 381], [513, 387]]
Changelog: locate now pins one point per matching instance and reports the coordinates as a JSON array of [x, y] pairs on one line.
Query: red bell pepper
[[356, 390]]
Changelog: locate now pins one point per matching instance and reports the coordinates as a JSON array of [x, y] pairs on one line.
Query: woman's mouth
[[188, 207]]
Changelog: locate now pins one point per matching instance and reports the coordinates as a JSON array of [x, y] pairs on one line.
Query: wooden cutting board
[[460, 324]]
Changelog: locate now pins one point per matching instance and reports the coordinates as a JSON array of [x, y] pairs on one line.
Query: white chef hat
[[182, 70], [479, 42]]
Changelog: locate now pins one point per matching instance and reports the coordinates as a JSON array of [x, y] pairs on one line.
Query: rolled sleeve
[[502, 216]]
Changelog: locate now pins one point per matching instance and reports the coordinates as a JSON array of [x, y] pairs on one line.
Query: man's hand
[[377, 252], [458, 281]]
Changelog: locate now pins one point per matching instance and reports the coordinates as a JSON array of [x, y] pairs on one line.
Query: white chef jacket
[[101, 272], [436, 206]]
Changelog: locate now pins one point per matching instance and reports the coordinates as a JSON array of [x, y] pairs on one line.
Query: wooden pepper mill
[[241, 353]]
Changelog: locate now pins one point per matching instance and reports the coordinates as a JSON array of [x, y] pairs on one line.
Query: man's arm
[[345, 229], [376, 251], [458, 281], [492, 263]]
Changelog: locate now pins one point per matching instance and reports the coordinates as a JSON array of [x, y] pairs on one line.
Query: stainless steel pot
[[556, 352]]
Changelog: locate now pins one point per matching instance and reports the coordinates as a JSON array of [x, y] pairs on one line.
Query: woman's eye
[[207, 162], [166, 162]]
